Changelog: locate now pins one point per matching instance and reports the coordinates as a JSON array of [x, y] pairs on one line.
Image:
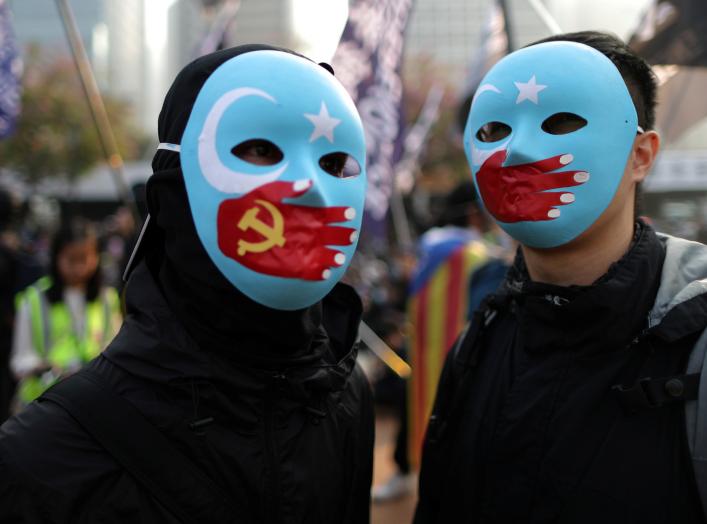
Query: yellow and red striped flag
[[437, 312]]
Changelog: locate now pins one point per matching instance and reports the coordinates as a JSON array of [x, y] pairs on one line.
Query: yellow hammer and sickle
[[272, 235]]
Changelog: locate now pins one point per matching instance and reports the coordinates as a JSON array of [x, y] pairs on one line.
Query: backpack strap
[[652, 393], [696, 418], [464, 356], [139, 447], [456, 376]]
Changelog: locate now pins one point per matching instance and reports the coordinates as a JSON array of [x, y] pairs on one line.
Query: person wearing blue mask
[[573, 396], [231, 393]]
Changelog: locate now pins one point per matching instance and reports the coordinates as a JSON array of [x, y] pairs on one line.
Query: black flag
[[672, 36], [368, 62], [673, 32]]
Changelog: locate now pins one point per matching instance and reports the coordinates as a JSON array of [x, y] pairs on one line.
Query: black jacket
[[527, 426], [287, 445]]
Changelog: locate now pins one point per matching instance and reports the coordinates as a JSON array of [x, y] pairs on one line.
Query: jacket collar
[[613, 310], [154, 346]]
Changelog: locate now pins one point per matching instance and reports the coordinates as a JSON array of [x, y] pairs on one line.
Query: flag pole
[[545, 16], [219, 26], [406, 167], [98, 110], [401, 224], [508, 26], [380, 349]]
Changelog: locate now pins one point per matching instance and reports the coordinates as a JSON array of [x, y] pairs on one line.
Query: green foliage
[[55, 135]]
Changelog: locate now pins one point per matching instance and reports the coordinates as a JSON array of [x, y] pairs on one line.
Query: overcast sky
[[320, 38]]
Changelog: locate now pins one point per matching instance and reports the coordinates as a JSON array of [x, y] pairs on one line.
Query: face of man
[[273, 158], [548, 137]]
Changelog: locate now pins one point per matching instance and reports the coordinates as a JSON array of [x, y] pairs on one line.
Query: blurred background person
[[20, 265], [8, 274], [390, 395], [66, 318], [460, 261]]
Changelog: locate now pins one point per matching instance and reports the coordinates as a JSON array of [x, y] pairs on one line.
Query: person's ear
[[643, 155]]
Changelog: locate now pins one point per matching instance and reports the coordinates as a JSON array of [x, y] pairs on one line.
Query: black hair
[[181, 97], [76, 230], [458, 205], [637, 74]]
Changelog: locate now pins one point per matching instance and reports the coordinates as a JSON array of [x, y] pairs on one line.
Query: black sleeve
[[442, 426], [29, 491], [51, 471], [432, 464], [17, 504]]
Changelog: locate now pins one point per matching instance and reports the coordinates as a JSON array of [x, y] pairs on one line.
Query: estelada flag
[[437, 313]]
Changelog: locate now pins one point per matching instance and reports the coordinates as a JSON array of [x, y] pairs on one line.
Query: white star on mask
[[528, 90], [323, 124]]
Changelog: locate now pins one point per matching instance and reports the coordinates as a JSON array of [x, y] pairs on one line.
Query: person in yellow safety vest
[[65, 319]]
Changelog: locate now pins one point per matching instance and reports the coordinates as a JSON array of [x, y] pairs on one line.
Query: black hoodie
[[290, 436]]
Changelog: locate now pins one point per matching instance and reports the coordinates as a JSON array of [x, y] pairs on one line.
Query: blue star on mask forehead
[[324, 124]]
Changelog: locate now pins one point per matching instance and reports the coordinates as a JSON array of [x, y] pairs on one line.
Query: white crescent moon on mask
[[482, 89], [214, 170], [479, 156]]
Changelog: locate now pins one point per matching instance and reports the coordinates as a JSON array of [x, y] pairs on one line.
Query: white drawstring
[[169, 147]]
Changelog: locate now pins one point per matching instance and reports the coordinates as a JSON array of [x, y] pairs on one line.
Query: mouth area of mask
[[527, 192], [287, 240]]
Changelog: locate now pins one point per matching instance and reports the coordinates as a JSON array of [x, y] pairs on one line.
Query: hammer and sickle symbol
[[272, 235]]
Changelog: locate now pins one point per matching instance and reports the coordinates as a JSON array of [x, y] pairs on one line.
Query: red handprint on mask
[[266, 235], [518, 193]]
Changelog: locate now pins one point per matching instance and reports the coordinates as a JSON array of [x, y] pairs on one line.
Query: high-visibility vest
[[54, 338]]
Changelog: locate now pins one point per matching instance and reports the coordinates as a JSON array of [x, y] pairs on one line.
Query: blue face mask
[[273, 158], [548, 136]]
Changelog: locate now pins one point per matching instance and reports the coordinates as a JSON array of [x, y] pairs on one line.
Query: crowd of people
[[60, 284], [556, 340]]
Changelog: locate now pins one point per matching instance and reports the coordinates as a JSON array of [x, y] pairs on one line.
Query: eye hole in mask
[[340, 165], [563, 123], [493, 131], [259, 152]]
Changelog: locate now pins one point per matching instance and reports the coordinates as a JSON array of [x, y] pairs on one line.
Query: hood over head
[[205, 301]]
